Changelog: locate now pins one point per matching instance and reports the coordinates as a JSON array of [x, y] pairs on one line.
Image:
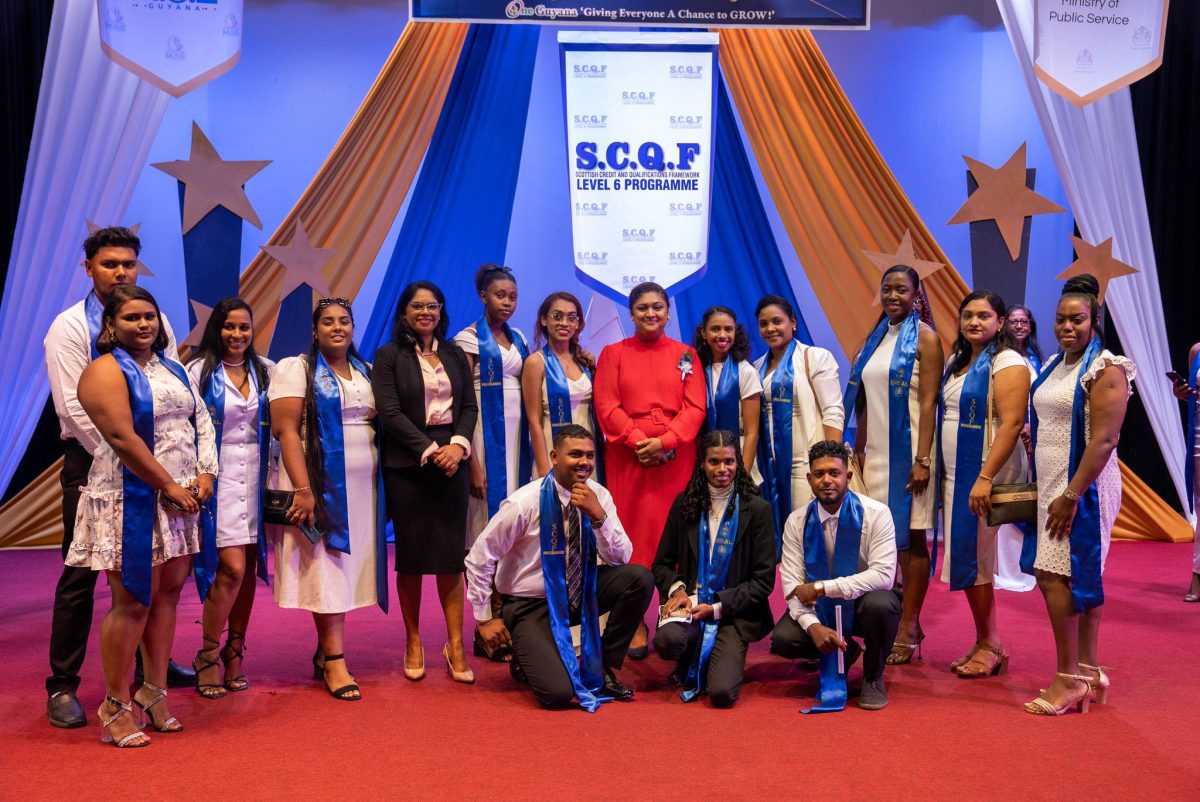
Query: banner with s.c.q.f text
[[639, 114], [177, 45]]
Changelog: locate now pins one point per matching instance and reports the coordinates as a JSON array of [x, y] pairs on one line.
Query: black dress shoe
[[517, 673], [615, 688], [63, 710], [177, 676]]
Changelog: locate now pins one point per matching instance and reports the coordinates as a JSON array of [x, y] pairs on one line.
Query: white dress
[[1053, 403], [1016, 469], [309, 576], [876, 465], [749, 385], [238, 504], [1011, 539], [816, 403], [97, 541], [477, 509], [580, 390]]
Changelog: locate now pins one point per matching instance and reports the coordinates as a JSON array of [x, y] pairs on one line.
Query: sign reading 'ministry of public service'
[[643, 13]]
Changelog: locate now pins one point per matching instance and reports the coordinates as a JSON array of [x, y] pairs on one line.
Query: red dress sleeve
[[692, 410], [613, 419]]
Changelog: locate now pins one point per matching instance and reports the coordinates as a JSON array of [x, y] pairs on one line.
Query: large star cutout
[[302, 263], [203, 313], [905, 255], [211, 182], [134, 229], [1099, 262], [1002, 196]]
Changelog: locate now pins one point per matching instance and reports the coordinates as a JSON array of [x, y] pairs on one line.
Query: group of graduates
[[567, 488]]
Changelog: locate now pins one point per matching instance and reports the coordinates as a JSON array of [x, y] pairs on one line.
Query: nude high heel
[[1040, 707], [1099, 684], [466, 677]]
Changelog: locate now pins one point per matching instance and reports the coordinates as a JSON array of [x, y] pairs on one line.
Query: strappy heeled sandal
[[997, 665], [241, 682], [126, 741], [1099, 684], [966, 658], [172, 724], [1040, 707], [342, 693], [903, 652], [201, 664]]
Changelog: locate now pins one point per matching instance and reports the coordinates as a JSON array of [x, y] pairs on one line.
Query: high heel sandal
[[342, 693], [1099, 684], [1040, 707], [159, 695], [418, 673], [966, 658], [999, 665], [202, 664], [241, 682], [466, 677], [501, 654], [903, 652], [125, 741]]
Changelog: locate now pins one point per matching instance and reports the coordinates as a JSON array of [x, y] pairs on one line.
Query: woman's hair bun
[[1083, 284]]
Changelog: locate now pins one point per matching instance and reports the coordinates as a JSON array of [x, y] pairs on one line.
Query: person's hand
[[1182, 390], [301, 511], [679, 601], [650, 451], [1060, 516], [825, 639], [585, 499], [181, 496], [494, 633], [918, 479], [448, 457], [702, 611], [807, 593], [981, 497], [202, 487], [1027, 439], [478, 481]]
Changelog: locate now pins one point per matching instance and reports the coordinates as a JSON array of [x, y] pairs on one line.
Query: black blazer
[[400, 401], [751, 578]]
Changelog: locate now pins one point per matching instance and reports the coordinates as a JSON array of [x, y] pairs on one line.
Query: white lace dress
[[97, 541], [1053, 403]]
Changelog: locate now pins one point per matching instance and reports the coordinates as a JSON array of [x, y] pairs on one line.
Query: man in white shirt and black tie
[[541, 599], [110, 259], [799, 633]]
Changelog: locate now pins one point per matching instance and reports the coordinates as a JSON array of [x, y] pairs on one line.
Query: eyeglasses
[[1012, 324], [430, 307], [559, 317]]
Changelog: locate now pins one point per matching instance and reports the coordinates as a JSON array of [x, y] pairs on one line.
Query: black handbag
[[1012, 503], [276, 503]]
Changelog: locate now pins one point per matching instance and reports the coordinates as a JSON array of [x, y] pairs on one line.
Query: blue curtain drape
[[461, 208], [744, 262]]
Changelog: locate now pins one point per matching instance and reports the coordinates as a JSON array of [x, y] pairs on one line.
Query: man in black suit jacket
[[740, 609]]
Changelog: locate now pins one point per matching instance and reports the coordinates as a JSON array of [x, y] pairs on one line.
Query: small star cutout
[[905, 255], [141, 266], [302, 263], [1099, 262]]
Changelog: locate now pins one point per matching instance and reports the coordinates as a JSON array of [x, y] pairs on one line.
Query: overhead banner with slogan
[[1086, 49], [643, 13], [177, 45], [639, 115]]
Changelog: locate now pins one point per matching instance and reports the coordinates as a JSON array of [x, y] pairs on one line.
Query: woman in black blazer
[[426, 410], [740, 606]]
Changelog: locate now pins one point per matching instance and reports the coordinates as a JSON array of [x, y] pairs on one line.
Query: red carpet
[[941, 737]]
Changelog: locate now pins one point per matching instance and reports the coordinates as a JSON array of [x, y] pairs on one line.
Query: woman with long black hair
[[733, 386]]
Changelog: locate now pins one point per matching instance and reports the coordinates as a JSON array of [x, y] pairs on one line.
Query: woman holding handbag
[[985, 394]]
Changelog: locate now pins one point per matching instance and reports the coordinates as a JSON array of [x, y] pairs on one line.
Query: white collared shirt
[[68, 347], [510, 547], [876, 557]]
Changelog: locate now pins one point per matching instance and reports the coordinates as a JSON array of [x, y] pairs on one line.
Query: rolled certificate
[[837, 612]]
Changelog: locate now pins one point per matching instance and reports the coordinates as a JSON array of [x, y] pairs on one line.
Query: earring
[[112, 336]]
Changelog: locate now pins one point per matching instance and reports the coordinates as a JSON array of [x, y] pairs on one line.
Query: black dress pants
[[876, 619], [726, 662], [622, 591], [75, 594]]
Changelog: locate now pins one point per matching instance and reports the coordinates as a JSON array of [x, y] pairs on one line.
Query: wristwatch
[[819, 587], [924, 462], [599, 522]]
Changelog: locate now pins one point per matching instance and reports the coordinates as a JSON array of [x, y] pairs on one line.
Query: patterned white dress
[[1053, 403], [97, 541]]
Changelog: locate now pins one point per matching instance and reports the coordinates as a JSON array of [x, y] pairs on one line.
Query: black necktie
[[574, 560]]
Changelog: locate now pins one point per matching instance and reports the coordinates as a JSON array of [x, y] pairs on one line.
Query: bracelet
[[1070, 495], [986, 478], [305, 489]]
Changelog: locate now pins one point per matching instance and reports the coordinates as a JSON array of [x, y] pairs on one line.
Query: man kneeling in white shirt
[[799, 634], [510, 549]]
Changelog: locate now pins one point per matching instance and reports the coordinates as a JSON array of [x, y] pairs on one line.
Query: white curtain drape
[[93, 130], [1095, 151]]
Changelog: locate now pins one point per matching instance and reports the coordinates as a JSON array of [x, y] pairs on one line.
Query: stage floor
[[940, 738]]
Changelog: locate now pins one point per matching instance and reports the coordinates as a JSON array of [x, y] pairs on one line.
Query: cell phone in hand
[[311, 532], [1176, 378]]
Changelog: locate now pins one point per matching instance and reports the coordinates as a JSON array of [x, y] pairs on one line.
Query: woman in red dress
[[650, 402]]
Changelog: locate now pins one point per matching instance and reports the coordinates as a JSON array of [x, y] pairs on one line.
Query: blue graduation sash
[[93, 311], [139, 498], [586, 671], [900, 454], [775, 441], [1087, 590], [831, 692], [968, 461], [558, 401], [1189, 462], [491, 414], [724, 408], [1035, 361], [711, 575]]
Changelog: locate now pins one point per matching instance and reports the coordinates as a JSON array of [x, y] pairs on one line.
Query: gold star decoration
[[905, 255], [302, 263], [141, 266], [1098, 261], [203, 313], [211, 181], [1002, 196]]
